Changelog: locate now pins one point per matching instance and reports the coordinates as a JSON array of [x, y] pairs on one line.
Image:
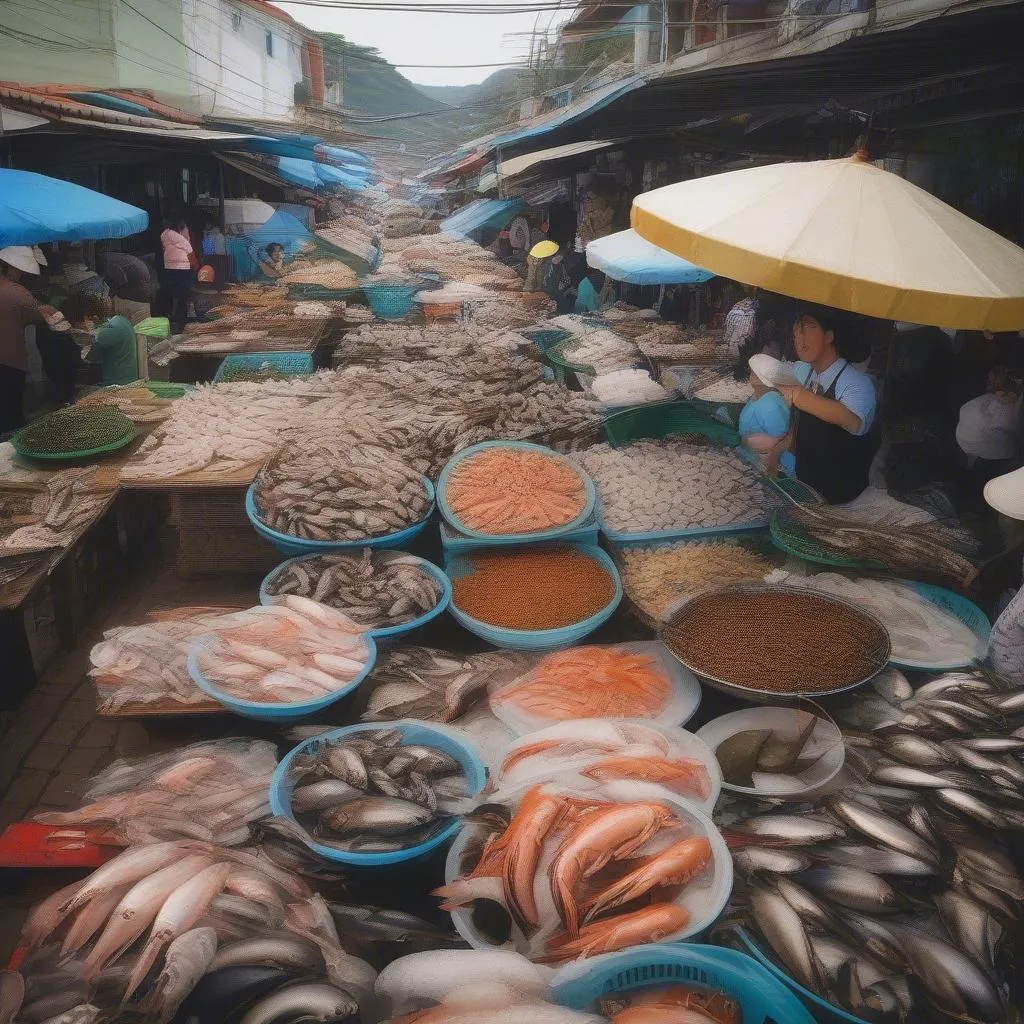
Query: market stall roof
[[625, 256], [478, 216], [35, 208], [844, 233], [517, 165]]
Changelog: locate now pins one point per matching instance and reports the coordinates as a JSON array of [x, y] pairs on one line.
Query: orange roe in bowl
[[533, 588]]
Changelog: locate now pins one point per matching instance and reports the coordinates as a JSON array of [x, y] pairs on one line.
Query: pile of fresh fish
[[470, 986], [136, 401], [572, 875], [297, 650], [188, 925], [627, 387], [376, 589], [604, 750], [897, 897], [49, 512], [148, 663], [726, 389], [598, 351], [327, 273], [431, 684], [652, 486], [372, 792], [319, 491], [209, 791], [921, 631]]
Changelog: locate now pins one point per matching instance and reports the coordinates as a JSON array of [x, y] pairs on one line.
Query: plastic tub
[[681, 706], [966, 611], [448, 740], [385, 631], [823, 1011], [453, 540], [761, 995], [391, 301], [290, 545], [663, 419], [273, 712], [537, 639], [590, 499], [684, 745], [705, 901], [825, 732], [292, 364]]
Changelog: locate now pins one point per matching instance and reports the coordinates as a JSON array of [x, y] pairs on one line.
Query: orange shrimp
[[683, 775], [659, 1014], [613, 833], [565, 748], [650, 924], [520, 865], [716, 1006], [677, 865]]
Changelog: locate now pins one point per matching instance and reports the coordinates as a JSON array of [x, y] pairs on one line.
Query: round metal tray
[[763, 696]]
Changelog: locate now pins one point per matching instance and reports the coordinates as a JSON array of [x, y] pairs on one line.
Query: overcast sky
[[413, 38]]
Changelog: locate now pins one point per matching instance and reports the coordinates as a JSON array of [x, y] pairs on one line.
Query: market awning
[[521, 164], [482, 215], [35, 208], [625, 256], [844, 233]]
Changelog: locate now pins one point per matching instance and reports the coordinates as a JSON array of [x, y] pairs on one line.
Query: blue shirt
[[855, 389], [586, 297], [769, 415]]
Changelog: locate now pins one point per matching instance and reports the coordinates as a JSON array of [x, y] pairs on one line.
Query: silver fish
[[85, 1013], [971, 926], [381, 814], [831, 954], [312, 1001], [799, 829], [345, 764], [883, 829], [807, 905], [784, 932], [876, 860], [1008, 703], [889, 999], [916, 750], [54, 1004], [996, 902], [855, 888], [906, 775], [994, 744], [951, 980], [318, 796], [892, 685], [186, 960], [970, 805], [280, 949], [770, 860]]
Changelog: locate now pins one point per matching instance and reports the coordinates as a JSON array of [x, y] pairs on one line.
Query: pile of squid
[[187, 925], [372, 792], [209, 791], [565, 876], [897, 897]]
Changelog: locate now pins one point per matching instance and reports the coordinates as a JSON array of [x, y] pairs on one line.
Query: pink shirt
[[177, 249]]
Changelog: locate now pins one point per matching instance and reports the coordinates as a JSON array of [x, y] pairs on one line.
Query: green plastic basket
[[556, 353], [795, 542], [111, 446], [666, 419], [167, 389]]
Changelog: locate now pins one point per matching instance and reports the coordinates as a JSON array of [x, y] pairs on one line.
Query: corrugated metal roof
[[517, 164], [162, 129]]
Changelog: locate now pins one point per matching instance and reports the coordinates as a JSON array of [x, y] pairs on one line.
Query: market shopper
[[1006, 642], [271, 261], [834, 435], [113, 343], [989, 429], [18, 309], [177, 275]]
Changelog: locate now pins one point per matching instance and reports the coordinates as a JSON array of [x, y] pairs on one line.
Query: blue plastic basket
[[824, 1011], [966, 611], [620, 538], [266, 712], [289, 545], [447, 740], [292, 364], [386, 631], [391, 301], [455, 541], [537, 639], [762, 996], [505, 538]]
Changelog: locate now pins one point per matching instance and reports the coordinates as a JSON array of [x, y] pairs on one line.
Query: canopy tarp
[[482, 215], [625, 256], [312, 175], [284, 228], [35, 208]]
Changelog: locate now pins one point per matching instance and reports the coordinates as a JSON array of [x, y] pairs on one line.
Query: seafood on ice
[[297, 650], [376, 589], [210, 791], [627, 387], [654, 486], [604, 750], [507, 490], [162, 920], [373, 792], [431, 684], [599, 351], [320, 491], [571, 875], [588, 682]]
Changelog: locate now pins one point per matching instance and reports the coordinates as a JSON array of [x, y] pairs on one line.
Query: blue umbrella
[[35, 208], [625, 256]]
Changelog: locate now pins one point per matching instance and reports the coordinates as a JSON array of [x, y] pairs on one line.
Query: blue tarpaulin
[[35, 208], [314, 176], [482, 215], [342, 156], [283, 228], [625, 256], [348, 178]]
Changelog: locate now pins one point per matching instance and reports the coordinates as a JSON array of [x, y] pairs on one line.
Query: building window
[[269, 37], [236, 22]]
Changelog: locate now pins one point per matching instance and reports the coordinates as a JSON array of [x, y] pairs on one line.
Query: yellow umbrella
[[846, 234]]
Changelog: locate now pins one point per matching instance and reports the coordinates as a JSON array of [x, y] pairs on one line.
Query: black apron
[[830, 459]]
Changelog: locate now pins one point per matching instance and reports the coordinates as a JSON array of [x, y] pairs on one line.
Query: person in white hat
[[1006, 642], [18, 309], [764, 421]]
